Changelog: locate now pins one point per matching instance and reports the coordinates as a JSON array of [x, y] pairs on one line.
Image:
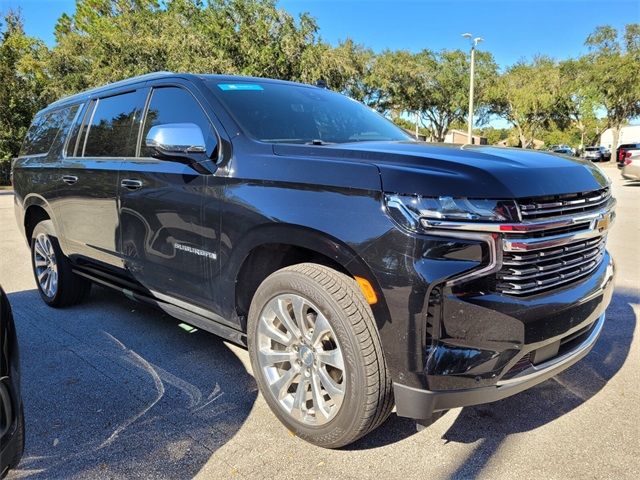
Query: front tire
[[316, 355], [57, 284]]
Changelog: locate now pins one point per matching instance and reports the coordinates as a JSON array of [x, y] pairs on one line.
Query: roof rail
[[137, 78]]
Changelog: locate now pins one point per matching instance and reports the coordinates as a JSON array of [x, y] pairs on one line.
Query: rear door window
[[113, 128], [45, 128]]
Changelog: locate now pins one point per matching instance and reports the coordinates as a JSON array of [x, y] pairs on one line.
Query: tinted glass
[[45, 128], [176, 105], [280, 113], [113, 132], [73, 133]]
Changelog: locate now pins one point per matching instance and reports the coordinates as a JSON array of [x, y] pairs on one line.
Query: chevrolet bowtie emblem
[[603, 222]]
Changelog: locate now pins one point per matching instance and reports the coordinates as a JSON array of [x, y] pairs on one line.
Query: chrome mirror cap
[[172, 138]]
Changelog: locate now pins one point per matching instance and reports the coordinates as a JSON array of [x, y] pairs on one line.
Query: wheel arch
[[36, 209], [272, 247]]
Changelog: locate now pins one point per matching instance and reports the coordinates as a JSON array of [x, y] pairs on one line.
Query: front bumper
[[421, 404]]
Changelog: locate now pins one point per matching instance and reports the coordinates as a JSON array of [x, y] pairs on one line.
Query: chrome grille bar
[[564, 205]]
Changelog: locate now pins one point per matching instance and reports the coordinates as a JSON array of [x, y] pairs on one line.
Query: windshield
[[283, 113], [592, 149]]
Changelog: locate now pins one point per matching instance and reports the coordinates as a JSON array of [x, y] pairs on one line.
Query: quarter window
[[112, 131], [45, 129], [176, 105]]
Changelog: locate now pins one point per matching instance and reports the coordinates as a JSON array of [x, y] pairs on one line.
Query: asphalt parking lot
[[114, 389]]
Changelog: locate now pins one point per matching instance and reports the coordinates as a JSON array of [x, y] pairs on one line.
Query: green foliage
[[529, 96], [108, 40], [493, 135], [22, 83], [614, 64], [433, 84]]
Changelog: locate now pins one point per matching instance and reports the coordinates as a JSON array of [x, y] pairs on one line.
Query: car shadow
[[6, 192], [114, 388], [492, 423]]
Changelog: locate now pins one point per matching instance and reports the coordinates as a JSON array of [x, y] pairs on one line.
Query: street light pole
[[474, 42]]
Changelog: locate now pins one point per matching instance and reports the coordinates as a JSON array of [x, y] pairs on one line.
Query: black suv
[[360, 268]]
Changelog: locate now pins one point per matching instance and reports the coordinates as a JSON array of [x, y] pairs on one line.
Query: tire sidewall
[[352, 408]]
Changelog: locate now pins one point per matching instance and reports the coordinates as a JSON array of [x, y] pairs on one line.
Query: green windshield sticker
[[227, 87]]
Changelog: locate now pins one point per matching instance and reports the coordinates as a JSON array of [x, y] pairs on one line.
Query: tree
[[108, 40], [614, 64], [529, 96], [447, 98], [22, 80], [433, 84]]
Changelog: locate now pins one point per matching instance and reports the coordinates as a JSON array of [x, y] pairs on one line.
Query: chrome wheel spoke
[[283, 315], [40, 262], [298, 409], [42, 276], [281, 386], [267, 329], [47, 283], [269, 357], [320, 329], [319, 404], [37, 245], [300, 313], [331, 357], [332, 388]]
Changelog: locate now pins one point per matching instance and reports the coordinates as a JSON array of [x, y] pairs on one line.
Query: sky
[[512, 30]]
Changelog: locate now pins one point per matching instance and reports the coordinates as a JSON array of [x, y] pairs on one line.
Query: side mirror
[[176, 141]]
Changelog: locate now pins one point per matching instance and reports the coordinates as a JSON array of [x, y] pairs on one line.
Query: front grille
[[518, 367], [533, 271], [559, 205]]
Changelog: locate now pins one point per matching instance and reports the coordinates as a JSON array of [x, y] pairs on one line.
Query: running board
[[199, 321]]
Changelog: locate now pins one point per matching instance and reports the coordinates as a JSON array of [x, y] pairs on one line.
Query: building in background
[[460, 137], [537, 144], [628, 134]]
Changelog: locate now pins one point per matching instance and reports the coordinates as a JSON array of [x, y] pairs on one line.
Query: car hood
[[472, 171]]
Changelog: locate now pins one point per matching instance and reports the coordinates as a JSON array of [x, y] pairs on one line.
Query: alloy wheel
[[46, 265], [301, 359]]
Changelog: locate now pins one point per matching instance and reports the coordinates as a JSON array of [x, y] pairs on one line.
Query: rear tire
[[321, 368], [57, 284], [14, 461]]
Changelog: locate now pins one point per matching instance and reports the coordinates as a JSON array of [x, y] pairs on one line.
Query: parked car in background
[[564, 150], [630, 165], [596, 154], [361, 268], [11, 413], [622, 150]]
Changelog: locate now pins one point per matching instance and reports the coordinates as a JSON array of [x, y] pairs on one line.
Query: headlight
[[415, 212]]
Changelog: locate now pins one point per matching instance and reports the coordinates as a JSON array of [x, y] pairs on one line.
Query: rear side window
[[175, 105], [113, 128], [45, 129]]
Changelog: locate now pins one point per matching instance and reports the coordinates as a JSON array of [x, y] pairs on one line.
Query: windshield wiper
[[317, 141]]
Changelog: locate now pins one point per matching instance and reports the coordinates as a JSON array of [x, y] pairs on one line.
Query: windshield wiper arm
[[317, 141]]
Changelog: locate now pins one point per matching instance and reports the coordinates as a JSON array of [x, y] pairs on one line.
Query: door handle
[[130, 184], [69, 179]]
